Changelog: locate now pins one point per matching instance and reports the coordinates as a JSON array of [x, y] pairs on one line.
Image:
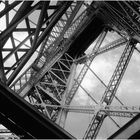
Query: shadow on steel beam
[[24, 120]]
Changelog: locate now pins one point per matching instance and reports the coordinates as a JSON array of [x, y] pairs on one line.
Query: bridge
[[42, 46]]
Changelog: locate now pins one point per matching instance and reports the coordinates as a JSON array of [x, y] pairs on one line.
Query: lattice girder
[[48, 82], [51, 87], [40, 62], [111, 89]]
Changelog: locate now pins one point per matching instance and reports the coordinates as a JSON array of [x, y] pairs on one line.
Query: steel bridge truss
[[110, 90], [49, 82]]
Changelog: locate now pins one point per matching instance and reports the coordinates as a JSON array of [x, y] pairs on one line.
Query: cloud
[[81, 97], [77, 124], [103, 69], [136, 59], [125, 84]]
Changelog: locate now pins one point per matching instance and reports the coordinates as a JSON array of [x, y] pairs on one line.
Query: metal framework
[[42, 43], [110, 90]]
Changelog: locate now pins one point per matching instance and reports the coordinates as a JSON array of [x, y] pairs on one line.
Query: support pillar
[[63, 113]]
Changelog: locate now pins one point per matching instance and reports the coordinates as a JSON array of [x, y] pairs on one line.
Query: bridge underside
[[83, 41], [60, 40], [24, 120]]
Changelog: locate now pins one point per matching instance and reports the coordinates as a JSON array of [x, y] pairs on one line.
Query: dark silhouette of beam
[[17, 115]]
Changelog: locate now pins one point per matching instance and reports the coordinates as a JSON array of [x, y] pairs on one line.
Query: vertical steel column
[[63, 113], [63, 9], [9, 7], [2, 75], [110, 91]]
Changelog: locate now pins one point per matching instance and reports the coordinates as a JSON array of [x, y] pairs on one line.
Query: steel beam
[[9, 7], [72, 88], [40, 39], [85, 69], [63, 113], [113, 45], [2, 75], [28, 29], [61, 11], [14, 46], [26, 117], [13, 127], [20, 15], [14, 50], [14, 65], [110, 91], [57, 52]]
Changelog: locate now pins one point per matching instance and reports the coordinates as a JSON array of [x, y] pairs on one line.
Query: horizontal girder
[[118, 111]]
